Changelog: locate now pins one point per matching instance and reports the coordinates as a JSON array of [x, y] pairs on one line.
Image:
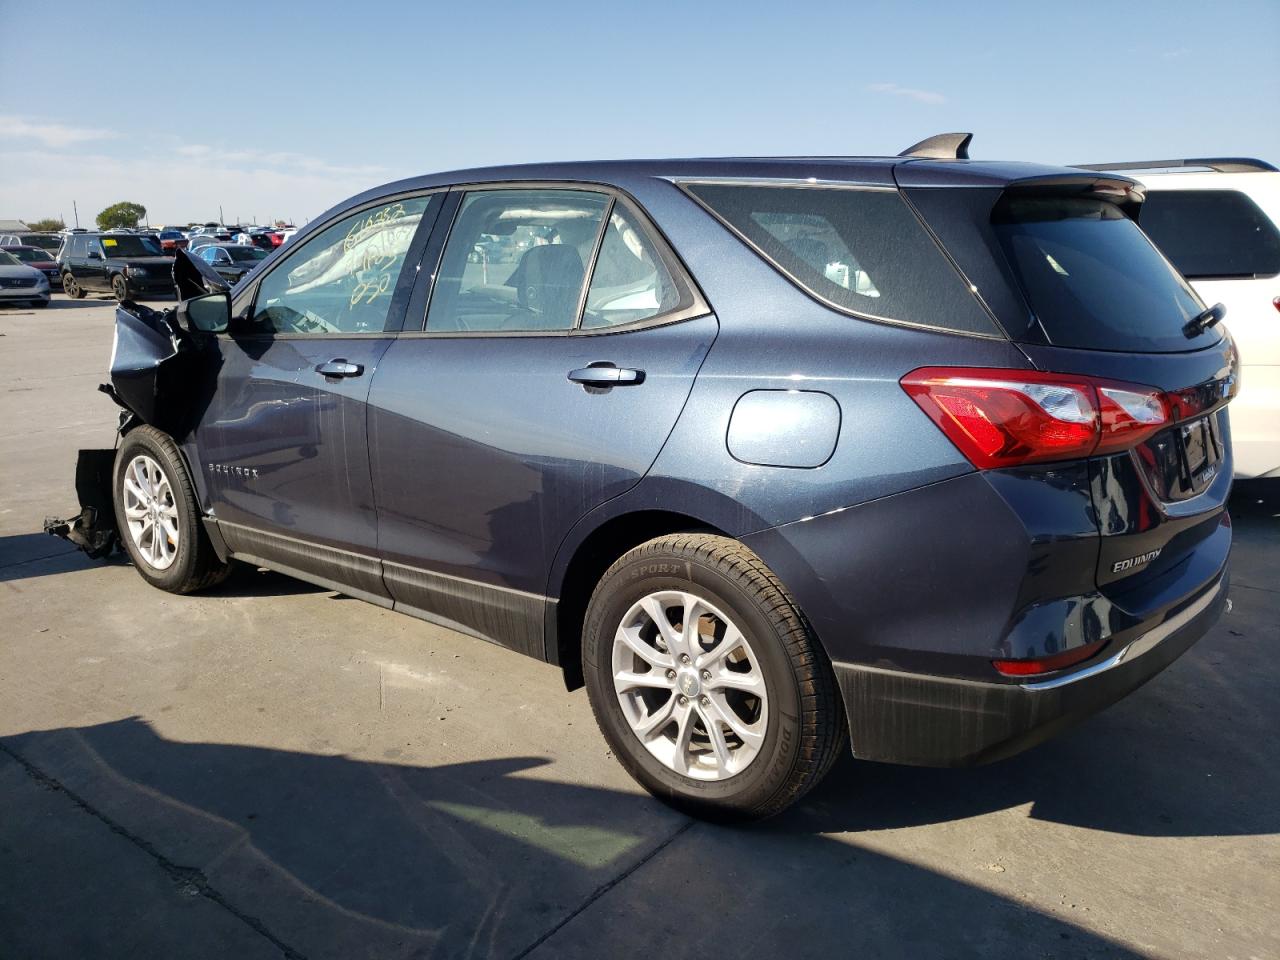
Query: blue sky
[[280, 109]]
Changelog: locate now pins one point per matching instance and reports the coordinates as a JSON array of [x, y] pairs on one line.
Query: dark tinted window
[[860, 250], [246, 254], [1212, 233], [1092, 278]]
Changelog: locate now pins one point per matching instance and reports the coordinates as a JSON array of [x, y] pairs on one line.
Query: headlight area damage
[[164, 365]]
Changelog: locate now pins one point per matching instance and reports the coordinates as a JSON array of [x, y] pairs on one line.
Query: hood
[[20, 271]]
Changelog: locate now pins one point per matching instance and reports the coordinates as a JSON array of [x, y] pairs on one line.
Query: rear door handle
[[606, 375], [340, 368]]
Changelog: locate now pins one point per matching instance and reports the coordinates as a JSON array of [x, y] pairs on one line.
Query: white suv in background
[[1218, 220]]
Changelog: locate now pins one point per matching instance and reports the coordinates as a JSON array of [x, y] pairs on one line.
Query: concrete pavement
[[271, 769]]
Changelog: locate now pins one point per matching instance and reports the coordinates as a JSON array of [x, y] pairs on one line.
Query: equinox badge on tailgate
[[1135, 561]]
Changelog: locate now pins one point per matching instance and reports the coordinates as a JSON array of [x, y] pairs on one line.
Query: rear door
[[283, 442], [560, 344]]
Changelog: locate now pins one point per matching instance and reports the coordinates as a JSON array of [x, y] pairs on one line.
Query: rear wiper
[[1203, 321]]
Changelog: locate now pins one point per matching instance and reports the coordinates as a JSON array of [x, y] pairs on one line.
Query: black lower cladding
[[935, 721]]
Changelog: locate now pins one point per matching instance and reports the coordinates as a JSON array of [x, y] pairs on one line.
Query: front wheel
[[120, 287], [158, 517], [706, 680]]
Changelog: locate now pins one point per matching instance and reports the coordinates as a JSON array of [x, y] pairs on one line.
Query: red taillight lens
[[1276, 303], [1002, 418], [1039, 665]]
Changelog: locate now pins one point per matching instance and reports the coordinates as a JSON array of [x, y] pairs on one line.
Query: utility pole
[[76, 211], [221, 218]]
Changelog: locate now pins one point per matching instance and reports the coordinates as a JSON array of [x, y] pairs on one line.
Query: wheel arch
[[583, 568]]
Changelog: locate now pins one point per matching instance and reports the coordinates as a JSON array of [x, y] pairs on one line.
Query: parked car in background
[[1218, 220], [123, 265], [46, 241], [21, 284], [775, 455], [172, 240], [265, 237], [232, 261], [36, 257]]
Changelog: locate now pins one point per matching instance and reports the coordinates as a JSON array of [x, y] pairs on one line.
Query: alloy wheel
[[690, 686], [150, 512]]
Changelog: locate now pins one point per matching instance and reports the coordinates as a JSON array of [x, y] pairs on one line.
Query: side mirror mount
[[94, 255], [210, 313]]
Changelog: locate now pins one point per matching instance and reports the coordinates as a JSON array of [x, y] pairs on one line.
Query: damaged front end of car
[[162, 371]]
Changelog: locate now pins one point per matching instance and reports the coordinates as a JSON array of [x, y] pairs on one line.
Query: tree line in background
[[123, 214]]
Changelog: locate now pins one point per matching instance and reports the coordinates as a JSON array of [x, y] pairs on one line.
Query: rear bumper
[[923, 720]]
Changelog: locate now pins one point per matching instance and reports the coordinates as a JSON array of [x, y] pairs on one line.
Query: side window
[[342, 280], [79, 247], [631, 282], [1212, 234], [516, 260], [860, 250]]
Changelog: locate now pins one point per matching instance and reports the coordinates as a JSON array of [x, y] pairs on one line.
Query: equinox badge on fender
[[1135, 561]]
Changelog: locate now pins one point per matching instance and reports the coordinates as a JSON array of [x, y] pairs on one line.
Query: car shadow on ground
[[337, 857]]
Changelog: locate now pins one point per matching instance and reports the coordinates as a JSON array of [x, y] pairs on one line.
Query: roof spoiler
[[943, 146], [1220, 164]]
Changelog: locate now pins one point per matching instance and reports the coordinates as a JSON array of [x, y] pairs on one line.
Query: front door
[[527, 401], [283, 443]]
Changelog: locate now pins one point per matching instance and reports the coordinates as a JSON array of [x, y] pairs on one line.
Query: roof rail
[[1220, 164], [943, 146]]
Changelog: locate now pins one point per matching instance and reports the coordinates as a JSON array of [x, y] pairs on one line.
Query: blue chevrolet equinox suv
[[922, 457]]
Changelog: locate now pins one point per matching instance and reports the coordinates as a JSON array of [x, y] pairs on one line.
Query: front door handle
[[606, 375], [340, 368]]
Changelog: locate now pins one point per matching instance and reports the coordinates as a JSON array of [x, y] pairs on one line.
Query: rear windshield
[[1093, 280], [30, 254], [1212, 234], [246, 254], [859, 250], [47, 243]]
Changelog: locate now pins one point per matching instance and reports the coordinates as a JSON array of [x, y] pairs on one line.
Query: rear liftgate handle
[[605, 374], [340, 368]]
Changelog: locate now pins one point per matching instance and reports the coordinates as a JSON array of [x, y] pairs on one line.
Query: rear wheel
[[707, 682], [72, 288], [158, 517], [120, 287]]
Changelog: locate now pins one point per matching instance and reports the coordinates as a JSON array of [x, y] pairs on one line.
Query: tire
[[800, 715], [189, 565], [120, 287], [71, 287]]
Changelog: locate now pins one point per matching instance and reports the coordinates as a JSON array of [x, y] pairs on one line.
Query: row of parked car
[[124, 263]]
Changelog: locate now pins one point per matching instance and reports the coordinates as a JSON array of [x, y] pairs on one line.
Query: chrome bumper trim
[[1136, 648]]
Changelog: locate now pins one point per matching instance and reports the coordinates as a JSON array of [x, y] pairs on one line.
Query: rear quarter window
[[1212, 234], [862, 251]]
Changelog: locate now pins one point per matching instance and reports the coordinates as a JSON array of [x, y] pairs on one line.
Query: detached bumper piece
[[933, 721], [93, 530]]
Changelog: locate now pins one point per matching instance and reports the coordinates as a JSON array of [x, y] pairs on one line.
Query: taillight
[[1002, 418], [1276, 303]]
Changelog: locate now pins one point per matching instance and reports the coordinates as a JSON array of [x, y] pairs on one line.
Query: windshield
[[246, 254], [29, 255], [1093, 279], [8, 260], [130, 246]]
